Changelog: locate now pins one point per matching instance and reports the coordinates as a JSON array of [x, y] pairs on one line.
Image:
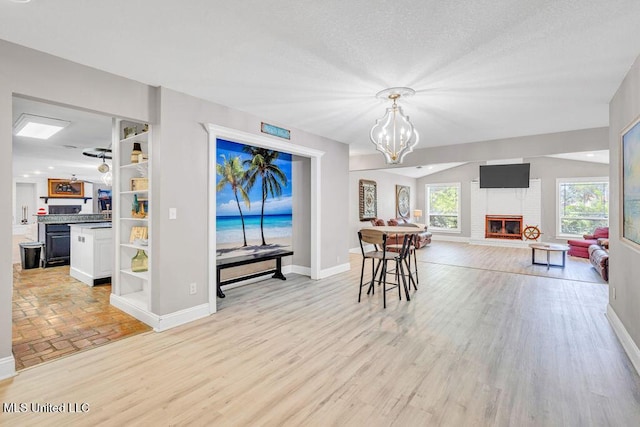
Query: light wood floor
[[472, 347]]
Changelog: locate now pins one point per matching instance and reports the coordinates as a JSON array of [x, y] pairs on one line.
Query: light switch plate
[[173, 213]]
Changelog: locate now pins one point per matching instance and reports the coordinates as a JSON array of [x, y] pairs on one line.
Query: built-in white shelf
[[131, 290], [140, 165], [135, 219], [142, 275], [139, 192], [138, 299], [137, 247]]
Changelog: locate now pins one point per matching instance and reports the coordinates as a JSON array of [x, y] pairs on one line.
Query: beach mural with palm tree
[[253, 199]]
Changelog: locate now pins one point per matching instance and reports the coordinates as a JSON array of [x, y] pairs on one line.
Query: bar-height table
[[400, 231]]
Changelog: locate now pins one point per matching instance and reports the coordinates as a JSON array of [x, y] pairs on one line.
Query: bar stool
[[380, 253], [397, 247]]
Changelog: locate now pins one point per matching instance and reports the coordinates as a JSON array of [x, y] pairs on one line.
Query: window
[[583, 205], [443, 206]]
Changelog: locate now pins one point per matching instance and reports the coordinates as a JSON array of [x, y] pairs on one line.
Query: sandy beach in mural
[[224, 250]]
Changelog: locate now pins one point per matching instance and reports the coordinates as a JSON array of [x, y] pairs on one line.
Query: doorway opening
[[55, 314]]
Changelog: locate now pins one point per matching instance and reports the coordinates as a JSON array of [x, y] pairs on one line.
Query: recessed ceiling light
[[37, 172], [21, 1], [590, 154], [38, 127], [25, 175], [50, 167]]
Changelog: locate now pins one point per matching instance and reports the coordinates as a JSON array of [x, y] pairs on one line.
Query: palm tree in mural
[[262, 165], [233, 174]]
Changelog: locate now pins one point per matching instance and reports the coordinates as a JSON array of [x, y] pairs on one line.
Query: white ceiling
[[61, 155], [601, 156], [482, 70]]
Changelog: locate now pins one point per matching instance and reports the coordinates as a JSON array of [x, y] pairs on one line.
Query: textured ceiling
[[482, 69]]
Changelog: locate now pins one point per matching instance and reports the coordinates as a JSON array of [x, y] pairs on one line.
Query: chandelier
[[394, 135]]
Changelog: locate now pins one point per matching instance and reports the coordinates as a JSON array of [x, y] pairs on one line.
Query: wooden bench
[[223, 263]]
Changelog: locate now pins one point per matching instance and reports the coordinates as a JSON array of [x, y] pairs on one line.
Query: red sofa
[[599, 258], [580, 247], [422, 239]]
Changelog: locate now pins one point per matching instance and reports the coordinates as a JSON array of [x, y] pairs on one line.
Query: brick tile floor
[[55, 315]]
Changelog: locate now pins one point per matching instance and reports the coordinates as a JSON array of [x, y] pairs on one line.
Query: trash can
[[30, 254]]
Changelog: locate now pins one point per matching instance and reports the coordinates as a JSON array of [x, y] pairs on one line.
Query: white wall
[[624, 265], [42, 191], [386, 191]]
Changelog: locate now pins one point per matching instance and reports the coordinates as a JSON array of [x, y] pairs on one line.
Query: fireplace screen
[[503, 227]]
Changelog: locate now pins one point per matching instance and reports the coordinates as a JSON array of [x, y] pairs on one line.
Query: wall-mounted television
[[505, 176]]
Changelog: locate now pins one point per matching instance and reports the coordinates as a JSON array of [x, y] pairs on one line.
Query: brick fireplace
[[503, 227], [515, 208]]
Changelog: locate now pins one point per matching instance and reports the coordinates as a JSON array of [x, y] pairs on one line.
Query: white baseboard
[[298, 269], [327, 272], [165, 321], [180, 317], [81, 276], [448, 238], [133, 310], [625, 339], [7, 367]]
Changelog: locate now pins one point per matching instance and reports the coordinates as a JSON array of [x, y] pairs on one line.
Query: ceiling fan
[[100, 153], [74, 178]]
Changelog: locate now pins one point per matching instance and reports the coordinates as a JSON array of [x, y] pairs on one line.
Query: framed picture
[[403, 201], [139, 184], [138, 233], [368, 201], [65, 188], [631, 183]]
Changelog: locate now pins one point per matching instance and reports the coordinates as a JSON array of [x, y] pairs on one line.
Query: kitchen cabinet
[[92, 252]]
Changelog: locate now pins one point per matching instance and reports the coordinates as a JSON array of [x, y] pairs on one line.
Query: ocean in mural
[[253, 185], [229, 228]]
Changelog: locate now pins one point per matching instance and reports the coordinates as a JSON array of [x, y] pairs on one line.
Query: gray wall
[[463, 174], [301, 169], [386, 192], [509, 148], [624, 266], [180, 171], [547, 169], [33, 74], [182, 153]]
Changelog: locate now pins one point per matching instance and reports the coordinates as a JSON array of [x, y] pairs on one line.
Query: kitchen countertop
[[91, 225], [71, 218]]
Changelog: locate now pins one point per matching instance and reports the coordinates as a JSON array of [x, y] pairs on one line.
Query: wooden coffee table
[[548, 247]]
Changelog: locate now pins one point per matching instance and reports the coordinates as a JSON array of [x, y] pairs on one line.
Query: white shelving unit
[[132, 290]]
